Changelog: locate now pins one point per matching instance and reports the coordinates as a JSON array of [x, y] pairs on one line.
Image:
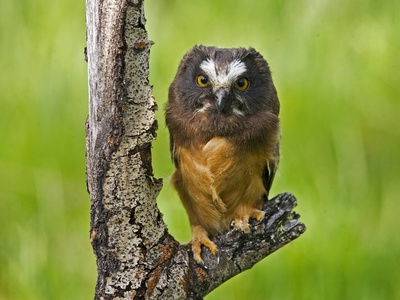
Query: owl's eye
[[202, 81], [242, 84]]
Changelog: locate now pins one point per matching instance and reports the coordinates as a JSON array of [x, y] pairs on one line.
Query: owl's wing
[[172, 150], [270, 170]]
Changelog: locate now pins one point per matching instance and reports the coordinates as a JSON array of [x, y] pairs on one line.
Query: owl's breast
[[221, 179], [237, 173]]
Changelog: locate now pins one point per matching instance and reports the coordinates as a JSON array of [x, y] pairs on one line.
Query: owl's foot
[[242, 222], [200, 237]]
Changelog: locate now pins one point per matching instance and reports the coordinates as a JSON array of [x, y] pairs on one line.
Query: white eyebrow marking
[[223, 77]]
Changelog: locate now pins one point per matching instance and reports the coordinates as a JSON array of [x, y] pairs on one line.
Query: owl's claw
[[257, 214], [200, 237], [242, 222]]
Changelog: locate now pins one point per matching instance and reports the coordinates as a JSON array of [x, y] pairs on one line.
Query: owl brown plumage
[[222, 114]]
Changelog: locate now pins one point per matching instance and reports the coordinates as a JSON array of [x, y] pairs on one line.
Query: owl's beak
[[221, 99]]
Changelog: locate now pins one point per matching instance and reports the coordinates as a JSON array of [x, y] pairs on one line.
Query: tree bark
[[136, 256]]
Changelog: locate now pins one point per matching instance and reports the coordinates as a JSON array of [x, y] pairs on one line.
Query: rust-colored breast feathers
[[217, 182]]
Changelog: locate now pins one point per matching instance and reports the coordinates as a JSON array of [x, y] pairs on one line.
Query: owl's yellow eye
[[242, 84], [202, 80]]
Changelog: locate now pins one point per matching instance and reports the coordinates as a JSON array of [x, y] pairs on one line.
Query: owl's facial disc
[[222, 78]]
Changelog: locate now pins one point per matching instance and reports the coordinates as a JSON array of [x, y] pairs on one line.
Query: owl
[[222, 116]]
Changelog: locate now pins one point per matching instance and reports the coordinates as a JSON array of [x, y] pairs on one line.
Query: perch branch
[[237, 251]]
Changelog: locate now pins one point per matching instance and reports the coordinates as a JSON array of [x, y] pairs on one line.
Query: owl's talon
[[257, 214], [200, 237], [242, 222], [196, 248]]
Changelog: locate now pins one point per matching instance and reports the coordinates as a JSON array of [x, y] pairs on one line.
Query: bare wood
[[136, 257]]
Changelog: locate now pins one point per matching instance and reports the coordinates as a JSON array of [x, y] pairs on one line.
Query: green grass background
[[336, 67]]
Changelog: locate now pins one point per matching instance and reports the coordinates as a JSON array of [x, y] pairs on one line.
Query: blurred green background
[[337, 70]]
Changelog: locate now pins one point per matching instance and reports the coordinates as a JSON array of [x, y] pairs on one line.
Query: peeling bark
[[136, 257]]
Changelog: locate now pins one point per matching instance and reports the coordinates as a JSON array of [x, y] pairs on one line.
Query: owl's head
[[224, 82]]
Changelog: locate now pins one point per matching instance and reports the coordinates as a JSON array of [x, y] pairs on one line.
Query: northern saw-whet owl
[[222, 115]]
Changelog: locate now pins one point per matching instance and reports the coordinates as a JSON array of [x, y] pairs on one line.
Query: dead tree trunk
[[136, 257]]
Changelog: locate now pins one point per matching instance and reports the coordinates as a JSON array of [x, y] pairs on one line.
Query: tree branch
[[237, 252], [136, 257]]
